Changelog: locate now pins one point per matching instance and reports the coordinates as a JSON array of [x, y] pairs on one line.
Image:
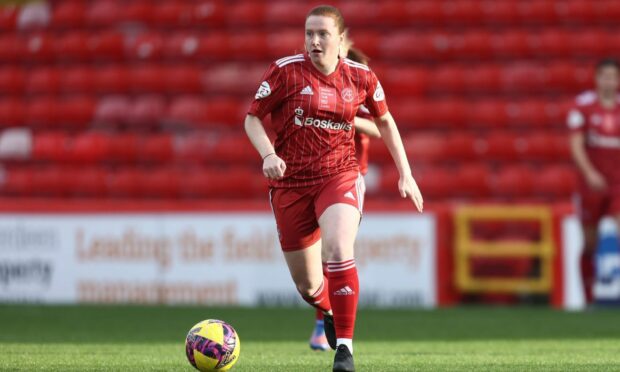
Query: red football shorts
[[594, 205], [297, 210]]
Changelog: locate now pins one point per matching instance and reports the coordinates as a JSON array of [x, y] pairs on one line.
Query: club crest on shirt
[[263, 91], [347, 95]]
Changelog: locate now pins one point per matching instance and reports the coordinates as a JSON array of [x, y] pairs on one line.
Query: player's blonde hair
[[329, 11]]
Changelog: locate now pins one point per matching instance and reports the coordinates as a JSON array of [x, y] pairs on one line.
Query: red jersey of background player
[[601, 128], [312, 115], [362, 142]]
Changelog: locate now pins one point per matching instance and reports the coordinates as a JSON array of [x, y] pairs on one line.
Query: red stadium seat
[[427, 147], [462, 11], [590, 43], [181, 46], [399, 80], [39, 47], [113, 110], [146, 47], [510, 44], [246, 13], [18, 181], [214, 46], [157, 149], [236, 183], [482, 79], [76, 112], [52, 181], [125, 148], [72, 46], [559, 182], [234, 149], [527, 113], [42, 112], [576, 11], [408, 45], [283, 43], [193, 147], [473, 44], [412, 113], [43, 80], [436, 182], [464, 146], [233, 78], [12, 49], [425, 11], [353, 14], [111, 79], [391, 13], [447, 79], [90, 147], [226, 111], [161, 183], [69, 14], [288, 13], [369, 41], [12, 112], [148, 79], [125, 182], [107, 45], [474, 180], [195, 183], [172, 13], [502, 146], [249, 46], [550, 43], [12, 80], [147, 111], [89, 182], [138, 11], [487, 114], [188, 110], [451, 113], [539, 12], [606, 10], [513, 181], [209, 13], [184, 79], [522, 78], [103, 13], [499, 12], [77, 80], [8, 17], [51, 146]]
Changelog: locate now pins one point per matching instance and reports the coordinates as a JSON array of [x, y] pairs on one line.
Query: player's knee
[[339, 252], [307, 288]]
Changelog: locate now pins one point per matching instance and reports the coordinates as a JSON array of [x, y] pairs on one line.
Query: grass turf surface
[[135, 338]]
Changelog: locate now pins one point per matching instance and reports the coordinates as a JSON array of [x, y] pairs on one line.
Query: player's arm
[[273, 166], [367, 127], [391, 137], [595, 179]]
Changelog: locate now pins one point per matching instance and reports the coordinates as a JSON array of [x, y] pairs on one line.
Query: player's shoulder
[[288, 60], [587, 98], [356, 65]]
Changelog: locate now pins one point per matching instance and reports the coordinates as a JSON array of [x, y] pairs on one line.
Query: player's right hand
[[596, 181], [273, 167]]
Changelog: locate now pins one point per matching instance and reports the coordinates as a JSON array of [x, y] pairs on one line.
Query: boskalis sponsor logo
[[318, 123]]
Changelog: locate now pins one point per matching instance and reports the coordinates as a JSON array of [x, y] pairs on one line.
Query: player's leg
[[318, 340], [592, 206], [339, 209]]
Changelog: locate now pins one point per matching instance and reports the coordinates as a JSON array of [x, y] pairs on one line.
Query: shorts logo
[[347, 95], [379, 94], [263, 91]]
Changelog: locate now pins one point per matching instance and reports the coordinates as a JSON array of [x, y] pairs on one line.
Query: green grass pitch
[[140, 338]]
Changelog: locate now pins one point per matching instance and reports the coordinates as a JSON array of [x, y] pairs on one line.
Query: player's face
[[607, 80], [322, 40]]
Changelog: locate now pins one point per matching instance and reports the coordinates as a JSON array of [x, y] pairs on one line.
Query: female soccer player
[[365, 129], [312, 170]]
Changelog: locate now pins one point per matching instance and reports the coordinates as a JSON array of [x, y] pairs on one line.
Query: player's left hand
[[409, 189]]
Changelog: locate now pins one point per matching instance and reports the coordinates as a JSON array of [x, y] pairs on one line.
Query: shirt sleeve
[[375, 97], [575, 120], [269, 94]]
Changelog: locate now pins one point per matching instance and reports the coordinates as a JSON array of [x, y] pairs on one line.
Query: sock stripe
[[341, 268], [318, 291], [335, 264]]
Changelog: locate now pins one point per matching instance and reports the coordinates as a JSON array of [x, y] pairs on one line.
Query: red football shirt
[[312, 115], [601, 127]]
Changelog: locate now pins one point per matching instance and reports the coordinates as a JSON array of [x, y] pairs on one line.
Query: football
[[212, 345]]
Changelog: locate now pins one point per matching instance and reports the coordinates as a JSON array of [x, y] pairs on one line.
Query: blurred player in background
[[313, 174], [365, 128], [594, 122]]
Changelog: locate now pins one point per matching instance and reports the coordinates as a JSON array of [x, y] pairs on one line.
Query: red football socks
[[343, 295]]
